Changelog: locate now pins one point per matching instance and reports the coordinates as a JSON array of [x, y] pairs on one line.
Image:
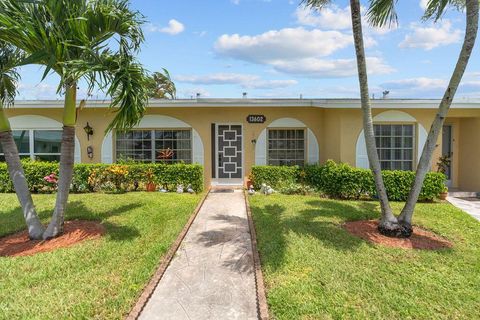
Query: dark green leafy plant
[[167, 175], [342, 181]]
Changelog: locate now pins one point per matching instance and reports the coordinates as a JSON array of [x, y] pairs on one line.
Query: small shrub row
[[106, 177], [342, 181], [274, 176]]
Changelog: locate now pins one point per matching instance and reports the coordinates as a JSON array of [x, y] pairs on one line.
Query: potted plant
[[249, 182], [443, 163], [444, 193], [150, 182]]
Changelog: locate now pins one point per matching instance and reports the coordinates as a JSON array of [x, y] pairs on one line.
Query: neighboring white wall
[[389, 116], [160, 122], [107, 148], [27, 122], [261, 145], [261, 149]]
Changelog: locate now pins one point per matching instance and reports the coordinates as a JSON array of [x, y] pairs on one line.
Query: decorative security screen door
[[229, 151]]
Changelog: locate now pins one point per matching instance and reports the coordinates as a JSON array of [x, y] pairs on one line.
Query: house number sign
[[256, 118]]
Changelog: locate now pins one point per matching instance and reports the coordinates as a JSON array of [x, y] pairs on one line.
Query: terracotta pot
[[443, 195], [249, 183], [151, 187]]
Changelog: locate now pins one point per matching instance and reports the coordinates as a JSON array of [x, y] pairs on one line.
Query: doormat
[[223, 190]]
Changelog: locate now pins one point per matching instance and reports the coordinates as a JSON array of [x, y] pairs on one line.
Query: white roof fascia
[[276, 103]]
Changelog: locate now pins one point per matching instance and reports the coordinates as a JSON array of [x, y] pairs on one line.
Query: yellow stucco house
[[228, 136]]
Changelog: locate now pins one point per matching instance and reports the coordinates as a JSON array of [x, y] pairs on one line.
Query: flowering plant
[[51, 185], [51, 178], [111, 179]]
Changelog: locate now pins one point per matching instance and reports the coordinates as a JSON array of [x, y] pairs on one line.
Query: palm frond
[[382, 12], [161, 85], [315, 4], [9, 60], [94, 40], [125, 80], [437, 8], [55, 32]]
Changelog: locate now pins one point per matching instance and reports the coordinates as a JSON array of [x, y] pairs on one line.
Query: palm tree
[[382, 12], [388, 222], [9, 59], [161, 86], [90, 40]]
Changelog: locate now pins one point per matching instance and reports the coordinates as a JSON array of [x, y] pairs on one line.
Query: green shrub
[[274, 175], [35, 172], [168, 175], [112, 179], [292, 188], [342, 181]]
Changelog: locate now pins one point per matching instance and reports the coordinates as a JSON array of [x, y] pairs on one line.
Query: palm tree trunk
[[472, 13], [388, 222], [67, 159], [17, 175]]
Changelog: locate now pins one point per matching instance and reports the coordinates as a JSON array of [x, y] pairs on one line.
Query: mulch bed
[[420, 239], [76, 231]]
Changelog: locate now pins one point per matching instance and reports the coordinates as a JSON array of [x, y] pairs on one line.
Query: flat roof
[[464, 103]]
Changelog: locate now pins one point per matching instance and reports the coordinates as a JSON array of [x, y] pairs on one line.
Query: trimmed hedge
[[343, 181], [168, 175], [274, 176]]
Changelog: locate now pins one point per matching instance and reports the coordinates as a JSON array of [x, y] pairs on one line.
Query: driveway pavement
[[469, 205], [212, 275]]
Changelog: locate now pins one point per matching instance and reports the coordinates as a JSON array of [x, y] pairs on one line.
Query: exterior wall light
[[88, 131], [90, 152], [254, 141]]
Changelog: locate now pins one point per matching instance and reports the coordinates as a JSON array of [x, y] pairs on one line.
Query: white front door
[[229, 153]]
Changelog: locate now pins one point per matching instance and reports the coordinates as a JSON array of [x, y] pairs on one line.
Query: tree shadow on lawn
[[322, 222], [77, 210], [116, 232]]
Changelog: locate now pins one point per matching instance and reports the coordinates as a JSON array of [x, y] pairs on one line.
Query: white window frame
[[31, 143], [153, 144], [413, 147], [305, 142]]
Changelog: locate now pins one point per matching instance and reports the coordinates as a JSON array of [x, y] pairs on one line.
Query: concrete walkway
[[469, 205], [212, 275]]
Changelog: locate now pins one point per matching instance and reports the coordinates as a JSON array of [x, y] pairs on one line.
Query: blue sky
[[276, 49]]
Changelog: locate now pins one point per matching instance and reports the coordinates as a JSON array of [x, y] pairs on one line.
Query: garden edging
[[262, 306]]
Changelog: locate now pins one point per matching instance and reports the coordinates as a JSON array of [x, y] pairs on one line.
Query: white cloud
[[421, 83], [201, 33], [236, 2], [332, 18], [423, 4], [336, 18], [174, 27], [46, 91], [298, 51], [424, 87], [244, 80], [431, 37], [288, 43], [270, 84], [334, 68]]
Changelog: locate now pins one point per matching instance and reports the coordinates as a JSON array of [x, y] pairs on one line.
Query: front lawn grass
[[98, 279], [314, 269]]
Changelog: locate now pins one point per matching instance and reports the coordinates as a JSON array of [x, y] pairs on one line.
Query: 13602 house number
[[256, 118]]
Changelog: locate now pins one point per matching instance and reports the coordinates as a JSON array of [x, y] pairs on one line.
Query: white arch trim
[[261, 145], [161, 122], [34, 122], [389, 116]]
